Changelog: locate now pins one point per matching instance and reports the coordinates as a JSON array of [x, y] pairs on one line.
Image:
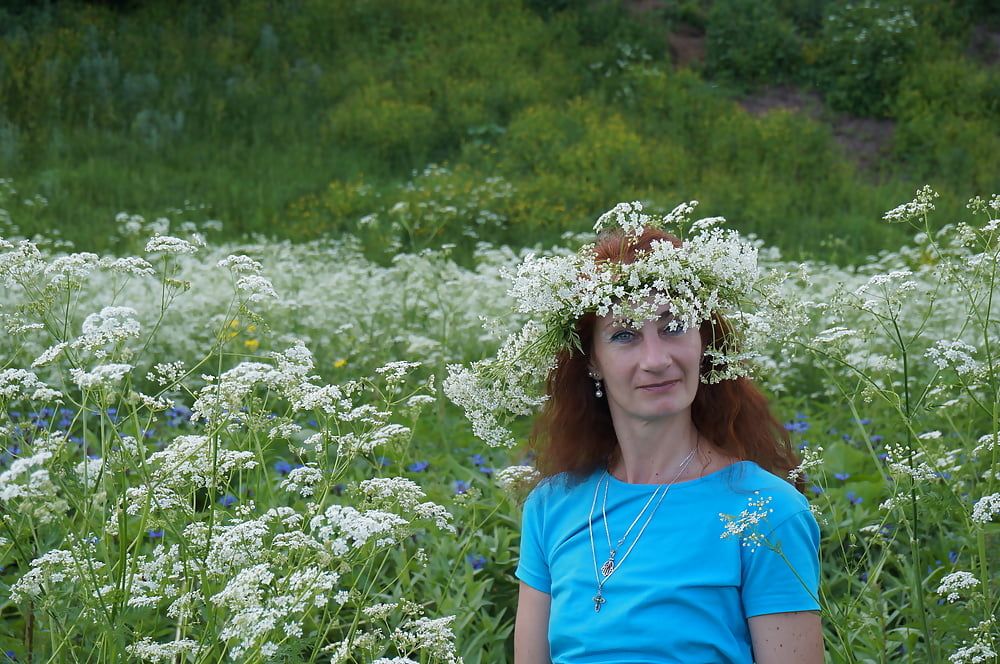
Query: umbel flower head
[[710, 275]]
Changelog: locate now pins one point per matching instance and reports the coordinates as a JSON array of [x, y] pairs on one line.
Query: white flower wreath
[[714, 271]]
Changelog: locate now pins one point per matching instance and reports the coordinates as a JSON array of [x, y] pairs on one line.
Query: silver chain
[[609, 567]]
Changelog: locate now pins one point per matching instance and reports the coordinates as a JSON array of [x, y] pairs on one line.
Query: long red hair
[[574, 432]]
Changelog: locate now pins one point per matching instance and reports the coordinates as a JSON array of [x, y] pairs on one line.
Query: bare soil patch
[[984, 45], [865, 140]]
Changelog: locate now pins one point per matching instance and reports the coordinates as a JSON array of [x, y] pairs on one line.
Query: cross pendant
[[598, 600]]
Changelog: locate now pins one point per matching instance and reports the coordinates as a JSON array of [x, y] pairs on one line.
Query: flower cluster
[[746, 525], [952, 585], [714, 271]]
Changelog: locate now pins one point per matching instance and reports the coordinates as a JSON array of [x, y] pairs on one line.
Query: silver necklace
[[610, 567]]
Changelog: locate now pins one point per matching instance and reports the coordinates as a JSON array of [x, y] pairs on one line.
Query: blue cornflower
[[953, 557], [855, 499], [228, 500], [865, 421], [876, 438], [486, 470], [10, 654], [383, 461], [312, 423], [155, 534], [478, 459], [846, 436], [841, 476], [282, 467], [816, 489], [461, 486], [476, 560], [418, 466], [797, 426]]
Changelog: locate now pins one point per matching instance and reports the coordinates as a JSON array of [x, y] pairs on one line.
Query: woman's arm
[[787, 638], [531, 627]]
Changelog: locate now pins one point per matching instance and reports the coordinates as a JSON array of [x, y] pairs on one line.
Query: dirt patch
[[636, 7], [785, 98], [864, 140], [984, 45], [687, 46]]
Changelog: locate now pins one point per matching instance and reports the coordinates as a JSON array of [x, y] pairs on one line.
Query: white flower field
[[243, 452]]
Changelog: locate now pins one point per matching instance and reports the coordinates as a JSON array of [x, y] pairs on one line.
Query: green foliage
[[864, 49], [751, 42], [270, 114], [948, 111]]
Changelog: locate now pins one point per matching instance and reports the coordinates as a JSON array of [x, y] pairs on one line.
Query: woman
[[627, 553]]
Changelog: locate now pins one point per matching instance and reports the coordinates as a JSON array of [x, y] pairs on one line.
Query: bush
[[863, 51], [751, 42]]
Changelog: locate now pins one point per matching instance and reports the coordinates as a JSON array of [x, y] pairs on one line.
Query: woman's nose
[[654, 353]]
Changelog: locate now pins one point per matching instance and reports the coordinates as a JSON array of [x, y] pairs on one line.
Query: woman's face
[[649, 373]]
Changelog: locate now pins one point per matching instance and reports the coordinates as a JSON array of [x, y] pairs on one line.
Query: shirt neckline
[[676, 485]]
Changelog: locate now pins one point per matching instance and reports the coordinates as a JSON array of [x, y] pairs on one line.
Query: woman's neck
[[653, 452]]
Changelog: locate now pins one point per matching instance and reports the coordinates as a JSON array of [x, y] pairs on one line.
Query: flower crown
[[714, 271]]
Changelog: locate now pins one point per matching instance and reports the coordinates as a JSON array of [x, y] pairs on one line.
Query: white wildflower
[[952, 585], [433, 636], [49, 355], [515, 481], [166, 244], [812, 457], [103, 376], [954, 354], [395, 372], [112, 326], [987, 443], [239, 264], [166, 373], [71, 270], [627, 216], [256, 288], [918, 207], [302, 480], [745, 526], [153, 651], [128, 265], [902, 461], [986, 508]]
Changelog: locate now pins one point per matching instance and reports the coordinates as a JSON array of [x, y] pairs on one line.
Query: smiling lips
[[659, 387]]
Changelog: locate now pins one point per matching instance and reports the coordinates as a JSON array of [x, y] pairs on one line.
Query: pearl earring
[[598, 392]]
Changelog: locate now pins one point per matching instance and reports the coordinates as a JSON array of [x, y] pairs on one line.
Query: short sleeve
[[783, 574], [533, 565]]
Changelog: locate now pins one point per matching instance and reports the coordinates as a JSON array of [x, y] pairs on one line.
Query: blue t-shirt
[[685, 592]]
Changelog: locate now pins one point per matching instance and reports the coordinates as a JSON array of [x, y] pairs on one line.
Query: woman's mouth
[[659, 387]]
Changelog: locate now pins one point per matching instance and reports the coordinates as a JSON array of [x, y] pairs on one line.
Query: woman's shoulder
[[563, 486], [751, 481]]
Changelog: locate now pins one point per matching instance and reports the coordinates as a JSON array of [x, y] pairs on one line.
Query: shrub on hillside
[[751, 42], [862, 54]]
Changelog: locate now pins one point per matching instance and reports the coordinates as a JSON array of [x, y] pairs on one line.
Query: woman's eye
[[623, 335], [674, 331]]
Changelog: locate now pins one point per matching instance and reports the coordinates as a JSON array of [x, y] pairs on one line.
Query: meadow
[[229, 440]]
